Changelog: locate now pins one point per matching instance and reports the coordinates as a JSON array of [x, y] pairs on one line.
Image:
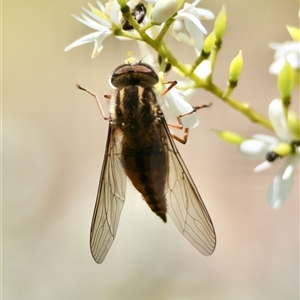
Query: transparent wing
[[185, 205], [110, 198]]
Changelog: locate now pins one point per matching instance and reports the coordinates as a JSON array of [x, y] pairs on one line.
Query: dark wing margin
[[185, 205], [110, 198]]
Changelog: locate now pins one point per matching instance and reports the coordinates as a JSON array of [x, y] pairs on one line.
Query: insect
[[138, 13], [140, 146]]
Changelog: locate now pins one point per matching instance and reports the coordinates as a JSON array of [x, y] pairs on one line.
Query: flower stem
[[214, 54], [164, 30], [243, 108]]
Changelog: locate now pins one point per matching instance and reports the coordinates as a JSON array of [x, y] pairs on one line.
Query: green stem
[[214, 54], [198, 61], [243, 108], [164, 30], [147, 26], [127, 34]]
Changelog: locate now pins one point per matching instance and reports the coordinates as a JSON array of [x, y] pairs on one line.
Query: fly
[[138, 13], [140, 146]]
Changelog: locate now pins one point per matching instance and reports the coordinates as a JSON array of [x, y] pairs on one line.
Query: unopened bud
[[286, 81], [209, 43], [220, 24], [293, 124], [163, 10], [230, 137], [236, 67], [294, 33]]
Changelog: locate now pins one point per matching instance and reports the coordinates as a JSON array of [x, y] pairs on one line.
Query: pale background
[[53, 146]]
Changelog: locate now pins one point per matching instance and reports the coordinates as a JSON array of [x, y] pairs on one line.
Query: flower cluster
[[272, 148], [108, 21], [285, 124], [181, 20], [149, 21]]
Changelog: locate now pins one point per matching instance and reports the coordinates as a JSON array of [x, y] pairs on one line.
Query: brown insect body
[[144, 156], [140, 147]]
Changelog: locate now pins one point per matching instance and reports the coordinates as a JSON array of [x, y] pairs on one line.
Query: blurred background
[[53, 146]]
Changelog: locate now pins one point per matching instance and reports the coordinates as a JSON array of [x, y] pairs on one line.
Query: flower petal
[[278, 120], [98, 43], [181, 37], [83, 40], [196, 34], [188, 7], [179, 106], [192, 19], [101, 6], [89, 22], [281, 187], [277, 65], [177, 25], [112, 9], [288, 51], [254, 148], [199, 13], [268, 139], [288, 171], [263, 166], [103, 21], [284, 48], [205, 14], [204, 69]]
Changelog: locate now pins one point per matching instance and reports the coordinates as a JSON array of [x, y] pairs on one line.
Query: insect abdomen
[[147, 170], [144, 155]]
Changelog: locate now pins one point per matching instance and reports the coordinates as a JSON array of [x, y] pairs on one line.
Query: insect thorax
[[136, 111]]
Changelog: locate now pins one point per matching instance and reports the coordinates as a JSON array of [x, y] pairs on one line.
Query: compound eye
[[138, 74]]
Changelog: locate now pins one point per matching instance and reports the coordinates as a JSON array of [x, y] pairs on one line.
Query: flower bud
[[220, 24], [293, 124], [163, 10], [236, 67], [230, 137], [294, 33], [286, 80], [209, 43]]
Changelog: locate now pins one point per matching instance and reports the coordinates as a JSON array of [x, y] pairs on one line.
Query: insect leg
[[97, 100], [195, 108], [172, 84], [180, 126]]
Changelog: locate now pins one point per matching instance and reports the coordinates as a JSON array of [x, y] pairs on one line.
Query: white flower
[[264, 145], [190, 17], [288, 51], [104, 20]]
